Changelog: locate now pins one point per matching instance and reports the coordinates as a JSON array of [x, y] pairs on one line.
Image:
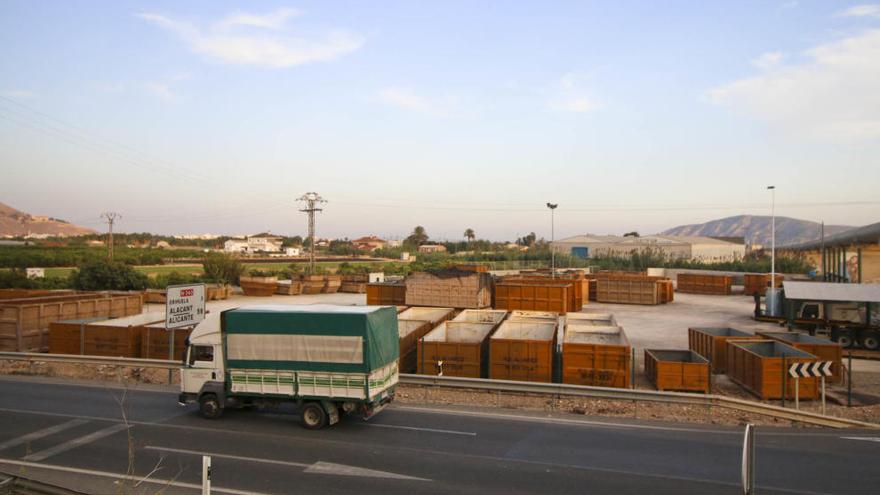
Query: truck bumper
[[186, 398]]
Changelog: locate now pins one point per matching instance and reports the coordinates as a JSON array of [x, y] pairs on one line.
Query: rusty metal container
[[522, 350], [577, 292], [761, 367], [628, 291], [455, 348], [824, 349], [595, 354], [758, 283], [386, 294], [412, 325], [711, 343], [156, 342], [677, 370], [100, 336], [532, 296], [717, 285], [332, 283], [492, 316]]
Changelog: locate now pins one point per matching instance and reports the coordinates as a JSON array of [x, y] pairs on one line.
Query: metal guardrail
[[556, 389], [706, 400], [100, 360]]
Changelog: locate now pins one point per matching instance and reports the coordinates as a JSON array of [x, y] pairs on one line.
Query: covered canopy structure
[[851, 256]]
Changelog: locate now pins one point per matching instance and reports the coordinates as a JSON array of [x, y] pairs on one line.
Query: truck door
[[200, 368]]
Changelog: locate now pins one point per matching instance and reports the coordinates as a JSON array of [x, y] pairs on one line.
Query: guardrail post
[[784, 381], [849, 379], [206, 475], [748, 461]]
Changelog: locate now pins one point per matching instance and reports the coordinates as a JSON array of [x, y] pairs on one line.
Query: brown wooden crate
[[677, 370]]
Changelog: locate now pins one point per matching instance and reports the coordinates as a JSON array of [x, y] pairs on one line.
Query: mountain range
[[18, 223], [756, 229]]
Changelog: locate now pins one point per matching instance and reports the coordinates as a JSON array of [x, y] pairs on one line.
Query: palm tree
[[469, 235], [418, 237]]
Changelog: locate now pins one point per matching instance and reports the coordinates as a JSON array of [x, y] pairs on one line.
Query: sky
[[214, 116]]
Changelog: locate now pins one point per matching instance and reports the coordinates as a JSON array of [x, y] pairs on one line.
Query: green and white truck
[[328, 360]]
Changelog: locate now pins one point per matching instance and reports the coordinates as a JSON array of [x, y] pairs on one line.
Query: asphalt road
[[95, 438]]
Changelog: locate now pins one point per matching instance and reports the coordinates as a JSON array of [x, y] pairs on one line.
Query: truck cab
[[328, 360]]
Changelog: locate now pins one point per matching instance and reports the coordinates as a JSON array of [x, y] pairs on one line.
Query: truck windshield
[[201, 353]]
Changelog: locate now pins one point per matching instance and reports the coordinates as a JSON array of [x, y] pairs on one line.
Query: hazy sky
[[213, 116]]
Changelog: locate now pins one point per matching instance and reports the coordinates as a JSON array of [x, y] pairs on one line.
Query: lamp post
[[552, 238], [772, 235]]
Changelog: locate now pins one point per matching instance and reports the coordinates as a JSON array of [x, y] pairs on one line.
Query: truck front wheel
[[209, 406], [314, 417]]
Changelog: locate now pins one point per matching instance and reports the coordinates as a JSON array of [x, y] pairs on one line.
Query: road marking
[[319, 467], [76, 442], [118, 476], [866, 439], [580, 422], [430, 430], [42, 433], [228, 456]]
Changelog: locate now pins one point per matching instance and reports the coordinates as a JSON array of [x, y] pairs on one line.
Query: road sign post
[[184, 307], [748, 461], [816, 369]]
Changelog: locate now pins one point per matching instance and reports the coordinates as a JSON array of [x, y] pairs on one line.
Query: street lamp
[[552, 238], [772, 190]]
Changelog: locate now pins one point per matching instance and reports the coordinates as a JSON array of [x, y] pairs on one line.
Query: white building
[[236, 246], [264, 243], [292, 251], [706, 249]]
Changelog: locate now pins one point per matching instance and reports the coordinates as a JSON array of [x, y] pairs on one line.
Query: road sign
[[807, 370], [185, 305]]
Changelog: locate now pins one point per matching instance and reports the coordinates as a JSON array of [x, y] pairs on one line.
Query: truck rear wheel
[[209, 406], [871, 341], [314, 417]]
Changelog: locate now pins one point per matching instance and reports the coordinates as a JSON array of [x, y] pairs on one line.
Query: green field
[[60, 272]]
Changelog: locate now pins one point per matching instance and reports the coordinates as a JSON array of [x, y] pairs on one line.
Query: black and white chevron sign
[[807, 370]]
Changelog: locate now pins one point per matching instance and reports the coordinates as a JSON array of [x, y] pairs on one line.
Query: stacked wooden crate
[[757, 283], [449, 288], [355, 283], [717, 285], [24, 322]]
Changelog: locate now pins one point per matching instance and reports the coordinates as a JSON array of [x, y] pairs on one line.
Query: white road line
[[76, 442], [579, 422], [320, 467], [227, 456], [42, 433], [413, 428], [118, 476], [866, 439]]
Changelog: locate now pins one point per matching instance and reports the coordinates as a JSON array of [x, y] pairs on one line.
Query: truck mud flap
[[370, 411]]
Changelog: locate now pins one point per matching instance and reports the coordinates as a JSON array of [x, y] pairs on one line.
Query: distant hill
[[18, 223], [756, 229]]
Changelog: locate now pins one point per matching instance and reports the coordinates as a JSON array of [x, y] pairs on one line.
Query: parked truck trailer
[[328, 360]]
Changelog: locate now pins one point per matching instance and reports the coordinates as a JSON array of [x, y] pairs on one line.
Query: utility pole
[[552, 238], [772, 235], [311, 199], [111, 218]]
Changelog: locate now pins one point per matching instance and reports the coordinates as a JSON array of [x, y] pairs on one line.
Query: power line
[[111, 218], [311, 199]]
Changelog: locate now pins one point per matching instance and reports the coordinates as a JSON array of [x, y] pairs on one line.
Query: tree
[[222, 268], [107, 275], [418, 237], [631, 234], [527, 240], [469, 235]]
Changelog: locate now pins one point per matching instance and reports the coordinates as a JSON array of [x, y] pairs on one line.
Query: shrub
[[106, 275], [222, 268]]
